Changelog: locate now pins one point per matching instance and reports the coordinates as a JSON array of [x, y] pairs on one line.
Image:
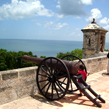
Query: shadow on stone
[[105, 74], [75, 99], [44, 100]]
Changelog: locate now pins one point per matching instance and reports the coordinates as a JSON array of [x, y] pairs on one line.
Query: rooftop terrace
[[99, 82]]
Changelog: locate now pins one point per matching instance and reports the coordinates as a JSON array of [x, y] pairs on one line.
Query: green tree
[[76, 52], [42, 56], [13, 60], [3, 65]]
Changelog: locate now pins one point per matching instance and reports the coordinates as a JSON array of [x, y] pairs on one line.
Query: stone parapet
[[95, 64], [19, 83]]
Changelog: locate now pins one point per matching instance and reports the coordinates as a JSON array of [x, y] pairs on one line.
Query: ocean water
[[42, 47]]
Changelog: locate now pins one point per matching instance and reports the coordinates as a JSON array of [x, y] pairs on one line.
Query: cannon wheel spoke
[[72, 86], [52, 78]]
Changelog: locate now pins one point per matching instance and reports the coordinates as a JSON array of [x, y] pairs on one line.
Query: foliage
[[42, 56], [13, 60], [106, 50], [76, 52]]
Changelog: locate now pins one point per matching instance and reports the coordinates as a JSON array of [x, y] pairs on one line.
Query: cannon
[[55, 77]]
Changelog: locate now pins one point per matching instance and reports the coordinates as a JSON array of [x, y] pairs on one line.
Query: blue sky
[[51, 19]]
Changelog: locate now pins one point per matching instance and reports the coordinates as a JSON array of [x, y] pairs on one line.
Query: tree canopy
[[13, 60]]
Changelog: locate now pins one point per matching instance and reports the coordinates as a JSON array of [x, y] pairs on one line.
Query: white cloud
[[95, 13], [77, 29], [105, 20], [58, 6], [72, 7], [48, 25], [67, 28], [86, 2], [72, 34], [21, 9], [60, 15], [78, 17], [59, 25], [106, 27], [52, 25], [38, 24]]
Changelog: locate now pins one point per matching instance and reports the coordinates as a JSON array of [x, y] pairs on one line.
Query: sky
[[51, 19]]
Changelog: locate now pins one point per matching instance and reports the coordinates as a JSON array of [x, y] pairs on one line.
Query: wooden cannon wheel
[[52, 78], [72, 86]]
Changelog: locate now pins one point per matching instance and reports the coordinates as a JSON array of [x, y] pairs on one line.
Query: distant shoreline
[[44, 40], [41, 47]]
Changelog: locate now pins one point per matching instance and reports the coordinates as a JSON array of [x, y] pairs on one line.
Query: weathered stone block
[[28, 80], [99, 59], [26, 73], [7, 96], [0, 78], [5, 88], [89, 61], [10, 76]]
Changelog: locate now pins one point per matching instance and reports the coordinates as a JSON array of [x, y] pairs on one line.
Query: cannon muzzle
[[72, 66], [32, 59]]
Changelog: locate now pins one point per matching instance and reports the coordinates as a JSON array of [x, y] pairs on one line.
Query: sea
[[48, 48]]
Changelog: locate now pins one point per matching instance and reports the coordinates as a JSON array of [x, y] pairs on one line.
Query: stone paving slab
[[98, 82]]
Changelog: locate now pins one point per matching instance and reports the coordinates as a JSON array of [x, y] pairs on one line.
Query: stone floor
[[99, 82]]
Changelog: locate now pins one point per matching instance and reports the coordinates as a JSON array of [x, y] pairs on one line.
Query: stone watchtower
[[93, 40]]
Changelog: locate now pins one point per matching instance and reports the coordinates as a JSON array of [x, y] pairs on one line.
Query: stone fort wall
[[18, 83]]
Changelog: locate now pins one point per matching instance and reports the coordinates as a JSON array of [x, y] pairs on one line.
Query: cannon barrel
[[72, 66]]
